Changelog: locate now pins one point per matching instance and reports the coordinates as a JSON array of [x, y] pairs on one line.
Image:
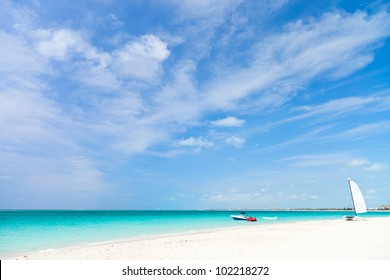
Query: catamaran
[[357, 199]]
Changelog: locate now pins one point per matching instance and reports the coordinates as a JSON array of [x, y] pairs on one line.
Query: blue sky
[[193, 104]]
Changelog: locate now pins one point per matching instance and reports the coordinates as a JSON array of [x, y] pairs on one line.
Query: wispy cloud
[[329, 122], [337, 107], [115, 21], [141, 58], [257, 198], [366, 165], [228, 122], [235, 141], [319, 160], [358, 162], [234, 196], [339, 160], [333, 46], [195, 142], [375, 167], [204, 9], [360, 131], [58, 44]]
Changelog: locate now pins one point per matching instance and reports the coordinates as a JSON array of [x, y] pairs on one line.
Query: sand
[[368, 239]]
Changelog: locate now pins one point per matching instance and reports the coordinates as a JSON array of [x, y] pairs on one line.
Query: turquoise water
[[24, 231]]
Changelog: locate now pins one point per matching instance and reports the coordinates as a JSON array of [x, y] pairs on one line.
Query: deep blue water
[[23, 231]]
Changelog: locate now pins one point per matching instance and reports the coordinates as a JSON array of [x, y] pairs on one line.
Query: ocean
[[23, 231]]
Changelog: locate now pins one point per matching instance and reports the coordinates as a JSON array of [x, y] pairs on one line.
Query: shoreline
[[302, 240], [17, 256]]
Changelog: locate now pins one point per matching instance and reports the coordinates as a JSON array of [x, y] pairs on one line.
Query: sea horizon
[[200, 209]]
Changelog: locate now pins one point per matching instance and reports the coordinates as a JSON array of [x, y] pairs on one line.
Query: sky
[[181, 104]]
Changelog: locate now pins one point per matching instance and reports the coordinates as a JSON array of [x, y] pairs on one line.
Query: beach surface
[[310, 240]]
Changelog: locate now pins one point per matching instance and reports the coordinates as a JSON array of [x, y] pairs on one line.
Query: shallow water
[[23, 231]]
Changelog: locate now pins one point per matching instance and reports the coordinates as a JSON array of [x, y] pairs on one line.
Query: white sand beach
[[368, 239]]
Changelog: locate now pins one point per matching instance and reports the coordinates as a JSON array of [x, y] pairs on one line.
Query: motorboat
[[244, 217]]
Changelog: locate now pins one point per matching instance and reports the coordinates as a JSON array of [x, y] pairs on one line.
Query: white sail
[[357, 198]]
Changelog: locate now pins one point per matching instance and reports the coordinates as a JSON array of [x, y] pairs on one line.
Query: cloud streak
[[335, 45]]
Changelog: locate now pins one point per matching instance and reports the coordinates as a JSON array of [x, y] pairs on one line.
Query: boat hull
[[238, 217], [353, 218]]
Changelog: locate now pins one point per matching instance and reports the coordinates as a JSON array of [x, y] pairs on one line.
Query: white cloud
[[376, 166], [228, 122], [65, 175], [27, 117], [112, 117], [339, 160], [195, 142], [178, 103], [361, 131], [233, 196], [58, 44], [358, 162], [302, 196], [204, 9], [257, 198], [235, 141], [334, 108], [319, 160], [200, 23], [17, 17], [181, 97], [19, 65], [115, 22], [366, 165], [137, 139], [141, 58], [41, 136]]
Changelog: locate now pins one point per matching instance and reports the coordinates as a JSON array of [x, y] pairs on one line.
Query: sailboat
[[358, 200]]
